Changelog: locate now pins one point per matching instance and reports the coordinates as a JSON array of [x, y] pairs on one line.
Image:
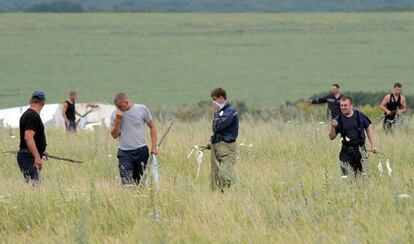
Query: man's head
[[219, 95], [121, 101], [38, 99], [397, 88], [346, 105], [73, 96], [335, 88]]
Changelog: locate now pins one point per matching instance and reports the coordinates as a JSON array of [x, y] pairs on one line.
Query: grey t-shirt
[[133, 127]]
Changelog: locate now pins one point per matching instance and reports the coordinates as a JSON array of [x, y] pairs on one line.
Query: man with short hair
[[333, 101], [392, 104], [353, 126], [69, 112], [32, 139], [128, 124], [223, 142]]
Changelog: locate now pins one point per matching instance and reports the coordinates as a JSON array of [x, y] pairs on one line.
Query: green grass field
[[172, 59], [290, 191]]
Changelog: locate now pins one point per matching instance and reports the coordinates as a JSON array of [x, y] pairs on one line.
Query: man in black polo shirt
[[69, 112], [353, 126], [32, 139], [333, 101]]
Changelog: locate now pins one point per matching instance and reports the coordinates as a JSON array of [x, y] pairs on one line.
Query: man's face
[[123, 105], [397, 91], [334, 90], [73, 97], [346, 107], [219, 99]]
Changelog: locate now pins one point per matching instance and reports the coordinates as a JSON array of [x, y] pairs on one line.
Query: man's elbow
[[332, 137]]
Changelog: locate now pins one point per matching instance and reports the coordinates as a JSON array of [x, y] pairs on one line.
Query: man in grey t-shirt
[[128, 124]]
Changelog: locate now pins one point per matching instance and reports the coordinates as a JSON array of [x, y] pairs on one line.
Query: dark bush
[[57, 7]]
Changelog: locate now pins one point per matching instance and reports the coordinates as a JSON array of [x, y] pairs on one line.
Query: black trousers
[[27, 166], [132, 164], [351, 160]]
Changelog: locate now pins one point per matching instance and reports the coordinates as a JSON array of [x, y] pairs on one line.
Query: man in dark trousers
[[32, 139], [354, 127], [392, 104], [223, 142], [69, 112], [128, 124], [333, 101]]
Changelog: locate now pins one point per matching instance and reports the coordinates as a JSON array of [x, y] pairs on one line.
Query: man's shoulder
[[231, 110], [139, 106], [30, 113], [363, 117]]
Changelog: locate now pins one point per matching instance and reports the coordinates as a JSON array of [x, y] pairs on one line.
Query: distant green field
[[172, 59]]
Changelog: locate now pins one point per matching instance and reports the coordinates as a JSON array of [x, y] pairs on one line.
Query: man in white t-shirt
[[128, 124]]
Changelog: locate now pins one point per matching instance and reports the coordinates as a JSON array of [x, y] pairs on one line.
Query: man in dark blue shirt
[[354, 127], [223, 142], [333, 101]]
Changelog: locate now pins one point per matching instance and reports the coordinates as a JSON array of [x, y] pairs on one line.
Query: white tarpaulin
[[98, 115]]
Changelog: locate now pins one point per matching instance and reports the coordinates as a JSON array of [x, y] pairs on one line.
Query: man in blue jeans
[[32, 139], [128, 124]]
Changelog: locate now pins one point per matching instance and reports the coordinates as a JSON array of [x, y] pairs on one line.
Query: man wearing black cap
[[32, 139]]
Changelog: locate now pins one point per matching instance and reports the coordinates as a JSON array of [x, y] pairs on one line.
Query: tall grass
[[290, 190]]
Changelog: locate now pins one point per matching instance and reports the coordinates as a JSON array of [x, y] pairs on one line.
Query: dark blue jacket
[[334, 105], [225, 125]]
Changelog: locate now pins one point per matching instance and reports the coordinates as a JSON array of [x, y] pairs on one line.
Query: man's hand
[[334, 123], [208, 147], [119, 114], [45, 155], [374, 149], [39, 163], [389, 112], [215, 107], [154, 150]]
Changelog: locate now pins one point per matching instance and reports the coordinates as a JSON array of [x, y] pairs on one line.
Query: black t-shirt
[[71, 111], [351, 133], [31, 120]]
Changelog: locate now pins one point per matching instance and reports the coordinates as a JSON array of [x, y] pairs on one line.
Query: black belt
[[352, 148], [25, 150]]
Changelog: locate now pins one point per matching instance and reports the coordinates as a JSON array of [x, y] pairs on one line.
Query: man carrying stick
[[32, 139]]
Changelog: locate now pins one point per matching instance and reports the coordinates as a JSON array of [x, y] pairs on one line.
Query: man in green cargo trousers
[[223, 142]]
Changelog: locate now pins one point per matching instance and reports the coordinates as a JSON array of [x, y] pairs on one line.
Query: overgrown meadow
[[290, 190], [175, 59]]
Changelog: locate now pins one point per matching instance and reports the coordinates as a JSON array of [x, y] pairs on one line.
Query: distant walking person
[[32, 139], [392, 104], [333, 101], [128, 124], [223, 142], [353, 126], [69, 112]]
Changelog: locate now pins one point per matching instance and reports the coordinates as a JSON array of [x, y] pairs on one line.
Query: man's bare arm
[[31, 145], [154, 139], [332, 131], [64, 109], [371, 138], [116, 128], [403, 104], [384, 103]]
